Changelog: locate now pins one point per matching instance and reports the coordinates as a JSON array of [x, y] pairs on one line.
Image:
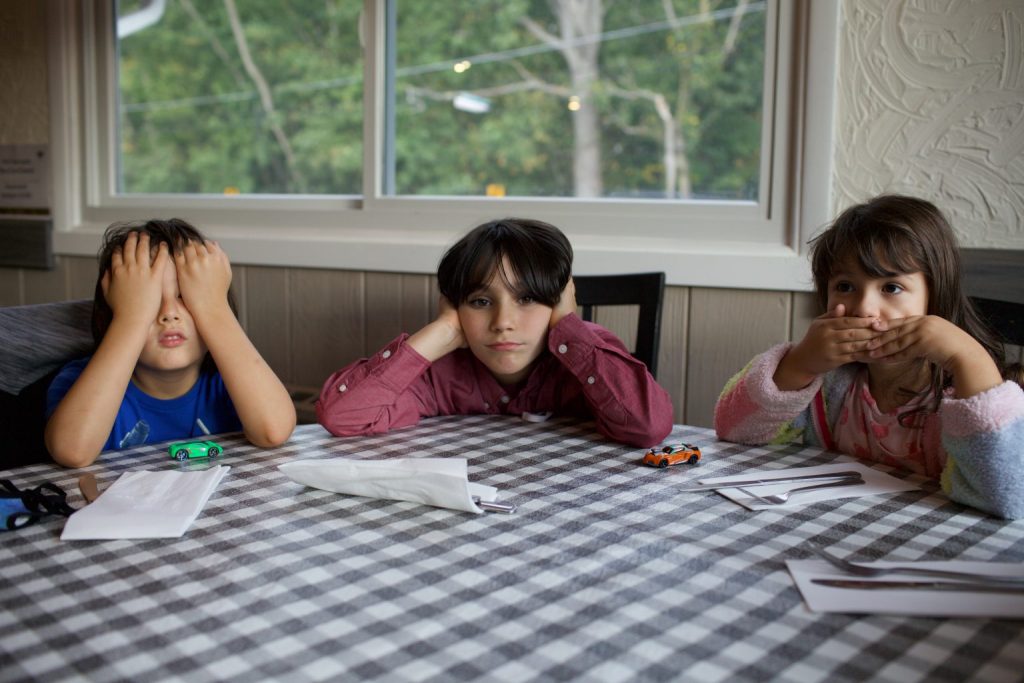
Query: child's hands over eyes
[[566, 304], [133, 285], [204, 275], [832, 340]]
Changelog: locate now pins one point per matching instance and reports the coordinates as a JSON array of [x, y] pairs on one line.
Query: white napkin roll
[[145, 505], [439, 482]]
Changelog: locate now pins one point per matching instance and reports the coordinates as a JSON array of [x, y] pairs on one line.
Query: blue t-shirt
[[144, 419]]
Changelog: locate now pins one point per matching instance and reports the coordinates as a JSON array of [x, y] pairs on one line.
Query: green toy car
[[188, 450]]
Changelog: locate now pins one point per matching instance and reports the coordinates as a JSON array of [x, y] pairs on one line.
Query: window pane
[[240, 96], [578, 98]]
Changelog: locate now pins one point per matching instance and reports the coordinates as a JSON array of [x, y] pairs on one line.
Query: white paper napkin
[[915, 602], [875, 483], [440, 482], [146, 505]]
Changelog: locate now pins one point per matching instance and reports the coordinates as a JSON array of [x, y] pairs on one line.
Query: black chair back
[[646, 290], [994, 279]]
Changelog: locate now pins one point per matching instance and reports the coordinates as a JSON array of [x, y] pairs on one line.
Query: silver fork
[[861, 570], [782, 498]]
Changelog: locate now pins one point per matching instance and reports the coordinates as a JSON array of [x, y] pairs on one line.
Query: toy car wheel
[[182, 454], [663, 463], [693, 460], [214, 451]]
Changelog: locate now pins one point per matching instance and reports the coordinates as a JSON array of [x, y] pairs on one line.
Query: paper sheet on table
[[146, 505], [875, 483], [913, 602], [440, 482]]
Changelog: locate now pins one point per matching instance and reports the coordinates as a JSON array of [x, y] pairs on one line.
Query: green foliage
[[192, 119]]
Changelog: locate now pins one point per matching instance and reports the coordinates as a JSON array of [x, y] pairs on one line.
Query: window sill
[[685, 263]]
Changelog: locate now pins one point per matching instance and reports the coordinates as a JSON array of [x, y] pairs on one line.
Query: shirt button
[[590, 380], [562, 348], [386, 354], [487, 406], [342, 388], [504, 399]]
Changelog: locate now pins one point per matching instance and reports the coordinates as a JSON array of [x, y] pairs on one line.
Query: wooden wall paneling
[[395, 303], [45, 286], [620, 321], [239, 287], [433, 296], [327, 322], [10, 287], [418, 297], [672, 348], [82, 274], [805, 310], [727, 328], [268, 317]]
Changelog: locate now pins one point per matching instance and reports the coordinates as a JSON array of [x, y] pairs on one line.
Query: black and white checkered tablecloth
[[606, 573]]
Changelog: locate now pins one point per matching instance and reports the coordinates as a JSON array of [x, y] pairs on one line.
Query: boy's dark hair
[[538, 255], [175, 232], [893, 234]]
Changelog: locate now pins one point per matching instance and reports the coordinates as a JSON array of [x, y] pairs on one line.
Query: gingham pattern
[[605, 573]]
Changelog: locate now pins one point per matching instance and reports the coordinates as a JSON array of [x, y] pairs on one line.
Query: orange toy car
[[672, 454]]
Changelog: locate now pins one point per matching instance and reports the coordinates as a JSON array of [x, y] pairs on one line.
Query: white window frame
[[713, 244]]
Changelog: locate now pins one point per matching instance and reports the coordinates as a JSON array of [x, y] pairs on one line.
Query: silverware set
[[813, 482], [861, 577]]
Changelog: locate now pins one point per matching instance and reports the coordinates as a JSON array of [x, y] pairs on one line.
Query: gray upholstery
[[37, 339]]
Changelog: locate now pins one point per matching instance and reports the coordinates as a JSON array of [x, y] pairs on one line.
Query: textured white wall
[[24, 114], [931, 103]]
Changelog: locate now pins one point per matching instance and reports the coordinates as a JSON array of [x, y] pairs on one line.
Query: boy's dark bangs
[[522, 275], [529, 274]]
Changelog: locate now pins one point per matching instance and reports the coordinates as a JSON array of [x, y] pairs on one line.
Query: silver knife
[[826, 476], [494, 506], [959, 586]]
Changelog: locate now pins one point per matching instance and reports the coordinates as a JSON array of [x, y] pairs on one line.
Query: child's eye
[[843, 287], [524, 300], [479, 302], [892, 288]]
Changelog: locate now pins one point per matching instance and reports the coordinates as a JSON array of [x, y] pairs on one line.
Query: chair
[[35, 343], [992, 278], [1006, 318], [644, 289]]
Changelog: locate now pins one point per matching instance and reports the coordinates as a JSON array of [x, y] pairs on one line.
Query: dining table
[[606, 571]]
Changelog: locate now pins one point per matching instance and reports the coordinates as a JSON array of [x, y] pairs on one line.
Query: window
[[239, 97], [643, 99], [338, 133]]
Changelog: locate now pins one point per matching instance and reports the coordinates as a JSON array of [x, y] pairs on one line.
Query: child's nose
[[504, 318], [170, 309], [866, 306]]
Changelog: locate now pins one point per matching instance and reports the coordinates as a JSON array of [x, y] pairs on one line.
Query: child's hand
[[442, 336], [204, 276], [448, 316], [832, 340], [133, 286], [935, 339], [566, 304]]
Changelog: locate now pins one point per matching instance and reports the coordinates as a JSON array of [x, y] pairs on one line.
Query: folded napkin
[[440, 482], [146, 505], [922, 602], [875, 483]]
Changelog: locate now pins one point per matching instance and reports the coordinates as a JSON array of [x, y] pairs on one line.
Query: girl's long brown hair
[[894, 234]]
